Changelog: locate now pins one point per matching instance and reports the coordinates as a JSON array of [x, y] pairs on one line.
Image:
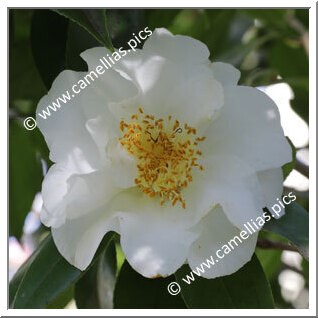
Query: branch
[[302, 168], [275, 245]]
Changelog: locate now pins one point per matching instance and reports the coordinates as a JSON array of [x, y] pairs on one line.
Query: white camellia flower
[[166, 150]]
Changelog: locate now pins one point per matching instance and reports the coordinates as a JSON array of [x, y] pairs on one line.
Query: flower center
[[166, 154]]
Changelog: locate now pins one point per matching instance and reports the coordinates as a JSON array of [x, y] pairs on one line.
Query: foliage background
[[268, 46]]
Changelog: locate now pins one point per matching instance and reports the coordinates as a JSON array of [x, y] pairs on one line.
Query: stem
[[275, 245], [302, 168]]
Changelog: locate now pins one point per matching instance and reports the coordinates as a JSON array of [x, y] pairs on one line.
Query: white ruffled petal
[[68, 195], [225, 73], [249, 127], [271, 182], [155, 239], [229, 182], [65, 130], [78, 239], [221, 240]]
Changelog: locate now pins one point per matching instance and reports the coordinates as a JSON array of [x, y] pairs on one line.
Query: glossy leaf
[[93, 21], [294, 226], [135, 291], [48, 41], [78, 40], [44, 276], [247, 288], [289, 166], [62, 300], [292, 63], [25, 84], [25, 175], [96, 288]]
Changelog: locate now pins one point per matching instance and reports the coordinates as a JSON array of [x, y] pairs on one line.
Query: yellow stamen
[[166, 152]]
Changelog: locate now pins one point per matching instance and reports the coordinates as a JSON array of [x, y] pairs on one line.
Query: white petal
[[77, 240], [272, 187], [65, 130], [67, 195], [229, 182], [249, 127], [217, 231], [155, 239], [168, 89], [177, 48], [174, 80], [225, 73], [122, 165], [54, 188]]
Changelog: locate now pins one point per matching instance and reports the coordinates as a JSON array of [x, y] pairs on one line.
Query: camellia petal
[[272, 187], [225, 73], [65, 128], [249, 127], [155, 239], [78, 239], [229, 182], [75, 194], [189, 81], [221, 240]]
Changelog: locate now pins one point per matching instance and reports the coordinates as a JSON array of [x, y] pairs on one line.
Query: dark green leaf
[[25, 175], [62, 299], [291, 62], [305, 266], [135, 291], [78, 40], [270, 260], [44, 276], [288, 60], [48, 41], [289, 166], [160, 18], [303, 16], [247, 288], [122, 23], [93, 21], [25, 84], [300, 102], [294, 226], [95, 289]]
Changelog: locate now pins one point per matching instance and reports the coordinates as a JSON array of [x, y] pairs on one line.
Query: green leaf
[[135, 291], [25, 175], [78, 40], [93, 21], [44, 276], [291, 62], [95, 289], [62, 299], [289, 166], [288, 60], [247, 288], [25, 84], [270, 260], [48, 41], [160, 18], [294, 226], [305, 267]]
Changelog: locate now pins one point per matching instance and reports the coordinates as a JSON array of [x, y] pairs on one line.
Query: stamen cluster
[[166, 152]]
